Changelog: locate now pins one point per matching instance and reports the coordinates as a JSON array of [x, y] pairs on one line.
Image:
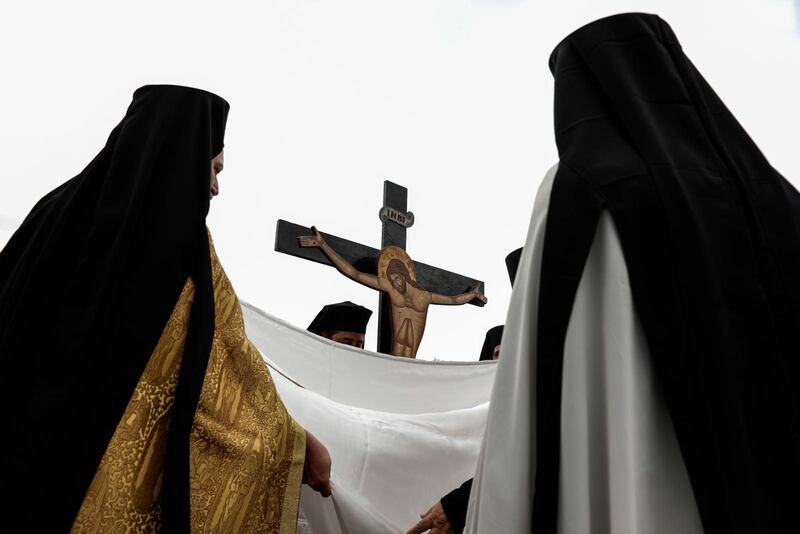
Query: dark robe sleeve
[[455, 506]]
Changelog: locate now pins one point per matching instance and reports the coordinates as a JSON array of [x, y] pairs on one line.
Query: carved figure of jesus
[[396, 276]]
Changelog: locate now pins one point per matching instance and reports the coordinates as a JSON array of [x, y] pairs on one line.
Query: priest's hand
[[434, 521], [312, 241], [317, 468]]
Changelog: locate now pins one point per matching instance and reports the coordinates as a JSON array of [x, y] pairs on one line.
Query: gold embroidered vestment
[[246, 452]]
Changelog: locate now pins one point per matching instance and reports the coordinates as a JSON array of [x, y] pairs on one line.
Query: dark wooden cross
[[396, 220]]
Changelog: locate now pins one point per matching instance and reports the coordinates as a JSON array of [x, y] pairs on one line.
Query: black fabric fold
[[87, 284], [710, 235], [455, 505]]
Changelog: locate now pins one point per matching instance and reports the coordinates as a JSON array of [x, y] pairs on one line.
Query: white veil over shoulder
[[620, 467]]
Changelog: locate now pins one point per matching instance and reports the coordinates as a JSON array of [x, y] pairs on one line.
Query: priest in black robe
[[133, 398], [491, 344], [512, 263], [650, 376], [343, 322]]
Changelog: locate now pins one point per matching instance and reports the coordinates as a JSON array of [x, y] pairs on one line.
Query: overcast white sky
[[330, 98]]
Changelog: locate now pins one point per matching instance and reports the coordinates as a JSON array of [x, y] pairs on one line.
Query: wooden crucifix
[[406, 288]]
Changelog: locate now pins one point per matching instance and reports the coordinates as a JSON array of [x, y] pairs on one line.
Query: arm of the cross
[[359, 256], [363, 257]]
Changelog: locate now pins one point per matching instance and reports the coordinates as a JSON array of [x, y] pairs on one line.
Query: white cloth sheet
[[401, 433], [621, 469]]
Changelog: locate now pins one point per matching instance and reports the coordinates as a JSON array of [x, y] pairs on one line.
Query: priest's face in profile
[[217, 164], [354, 339]]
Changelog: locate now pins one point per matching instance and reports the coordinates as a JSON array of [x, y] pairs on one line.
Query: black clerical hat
[[341, 317], [512, 262], [493, 337]]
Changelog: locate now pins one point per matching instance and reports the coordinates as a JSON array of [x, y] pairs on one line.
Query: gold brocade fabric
[[246, 452]]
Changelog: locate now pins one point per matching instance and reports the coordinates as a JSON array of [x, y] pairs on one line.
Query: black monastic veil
[[711, 237], [87, 284]]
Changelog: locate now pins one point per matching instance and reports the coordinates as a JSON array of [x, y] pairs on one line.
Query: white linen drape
[[401, 433]]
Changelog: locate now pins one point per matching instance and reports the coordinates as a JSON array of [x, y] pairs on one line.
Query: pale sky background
[[330, 98]]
